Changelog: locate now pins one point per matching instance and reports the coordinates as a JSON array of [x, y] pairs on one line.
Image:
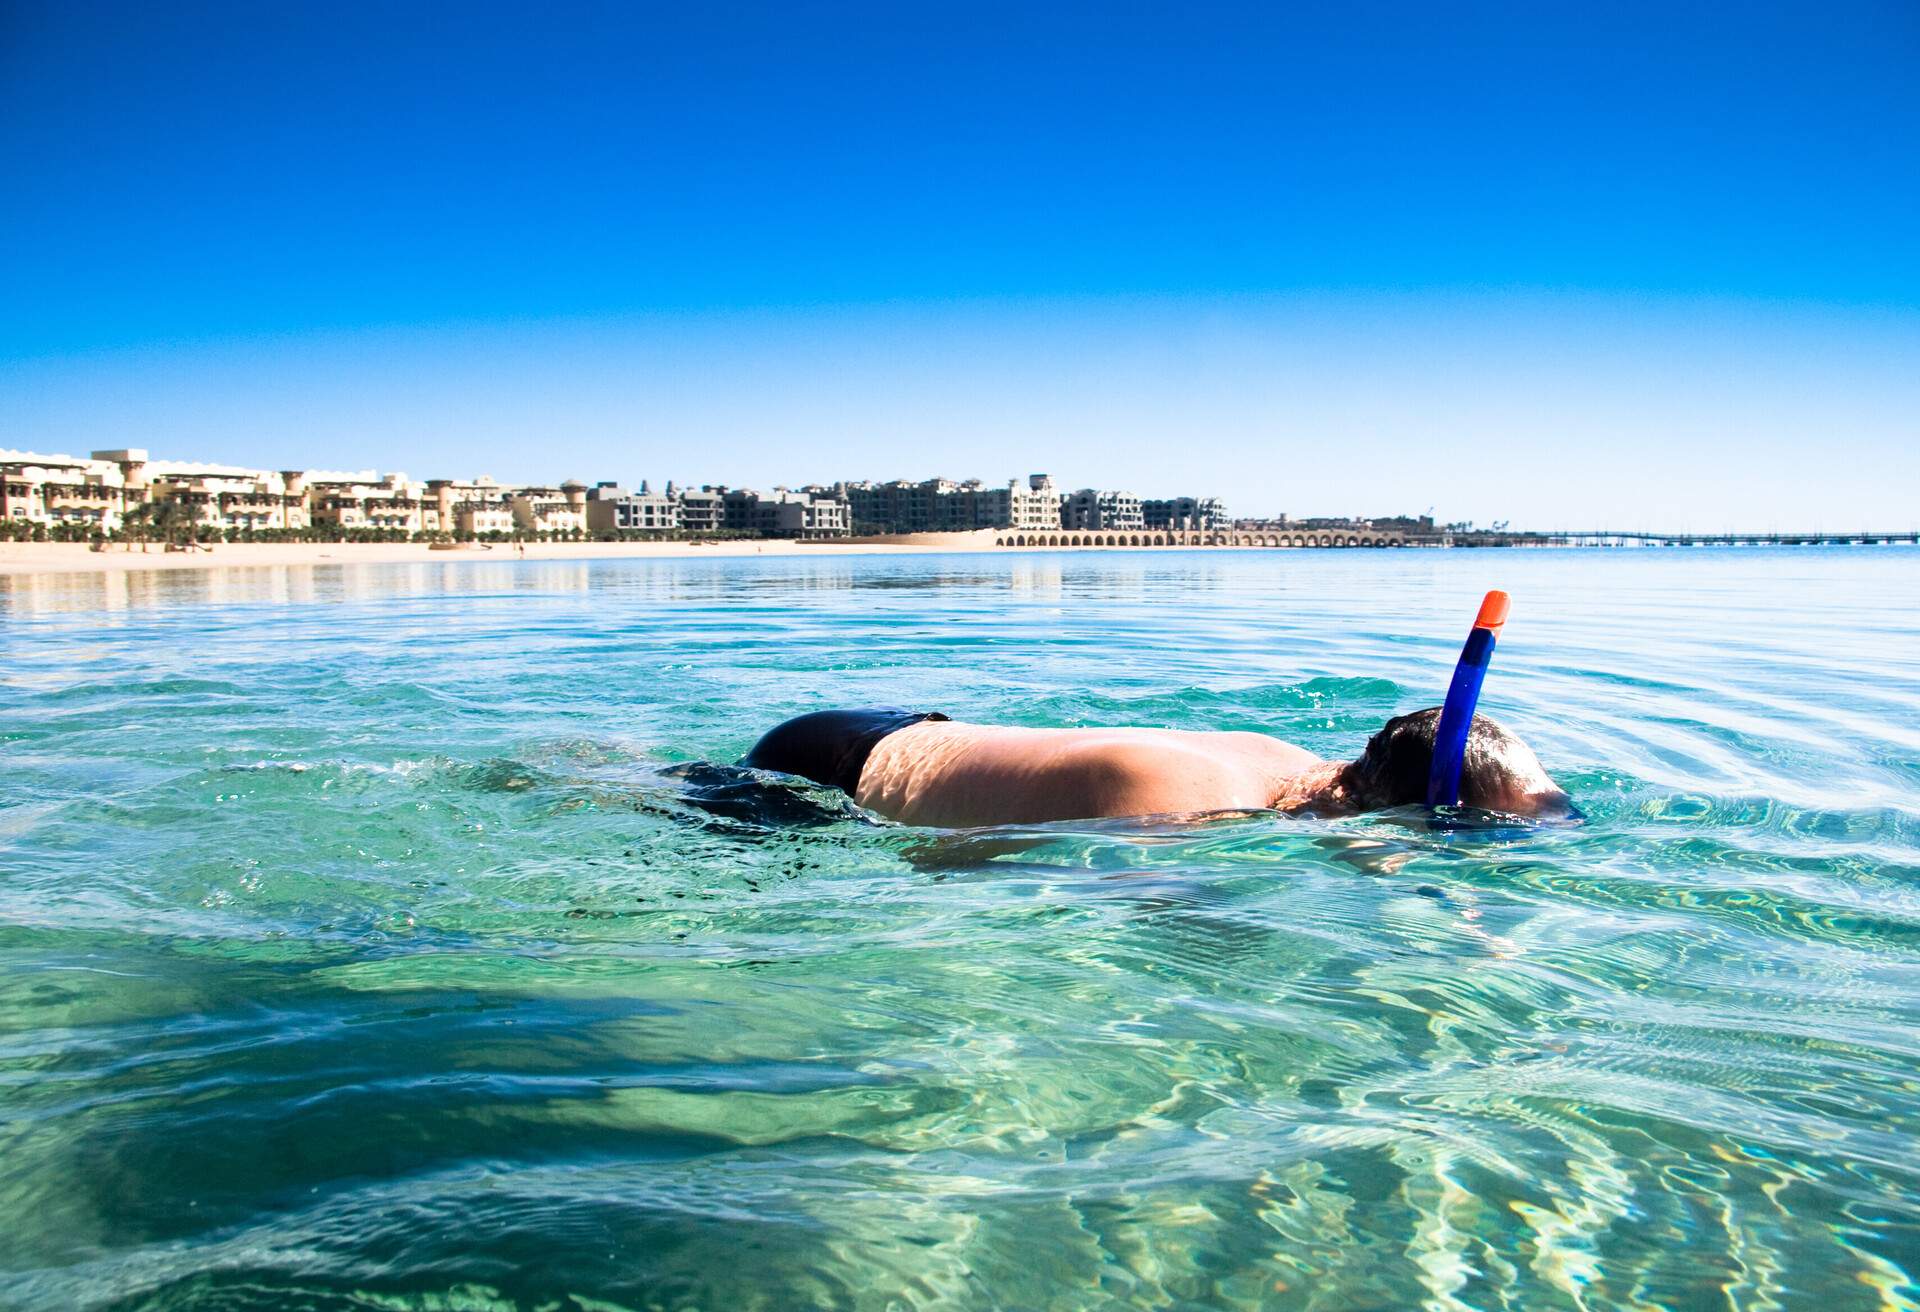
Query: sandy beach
[[36, 558]]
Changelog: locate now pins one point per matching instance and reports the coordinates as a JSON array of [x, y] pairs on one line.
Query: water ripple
[[382, 937]]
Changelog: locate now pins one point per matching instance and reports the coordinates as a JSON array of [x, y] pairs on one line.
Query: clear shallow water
[[357, 948]]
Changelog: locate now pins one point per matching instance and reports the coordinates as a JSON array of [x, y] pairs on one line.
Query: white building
[[471, 508], [703, 510], [1090, 508], [1036, 506], [613, 509], [808, 513], [218, 498], [940, 505], [1185, 514], [550, 511], [52, 491], [365, 500]]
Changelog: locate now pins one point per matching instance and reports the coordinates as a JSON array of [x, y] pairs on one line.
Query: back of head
[[1498, 773]]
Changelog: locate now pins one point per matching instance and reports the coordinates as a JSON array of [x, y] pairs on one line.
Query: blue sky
[[1652, 265]]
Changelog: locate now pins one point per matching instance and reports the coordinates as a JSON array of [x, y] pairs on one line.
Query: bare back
[[949, 773]]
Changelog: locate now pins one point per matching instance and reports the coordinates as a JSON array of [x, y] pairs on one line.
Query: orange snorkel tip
[[1493, 612]]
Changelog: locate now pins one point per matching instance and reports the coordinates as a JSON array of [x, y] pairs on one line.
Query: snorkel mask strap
[[1463, 694]]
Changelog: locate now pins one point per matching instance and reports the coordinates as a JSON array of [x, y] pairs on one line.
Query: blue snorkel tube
[[1463, 694]]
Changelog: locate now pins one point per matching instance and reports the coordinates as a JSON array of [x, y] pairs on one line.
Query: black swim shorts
[[829, 747]]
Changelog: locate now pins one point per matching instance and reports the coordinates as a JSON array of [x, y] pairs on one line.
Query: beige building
[[77, 497], [550, 511], [54, 490], [365, 500], [613, 509], [471, 509], [477, 519], [1035, 506], [99, 493], [219, 497]]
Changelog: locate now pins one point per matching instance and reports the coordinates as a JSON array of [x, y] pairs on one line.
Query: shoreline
[[36, 559], [25, 559]]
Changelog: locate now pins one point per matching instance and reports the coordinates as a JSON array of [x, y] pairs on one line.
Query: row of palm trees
[[172, 525], [170, 522]]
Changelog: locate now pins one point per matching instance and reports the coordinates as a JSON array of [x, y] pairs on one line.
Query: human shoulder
[[1266, 749]]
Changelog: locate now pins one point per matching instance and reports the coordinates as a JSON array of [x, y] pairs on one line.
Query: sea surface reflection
[[365, 941]]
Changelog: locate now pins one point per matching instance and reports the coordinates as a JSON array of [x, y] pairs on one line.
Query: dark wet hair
[[1393, 769]]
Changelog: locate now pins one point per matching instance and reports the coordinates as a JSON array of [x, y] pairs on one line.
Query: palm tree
[[171, 520], [176, 521], [138, 523]]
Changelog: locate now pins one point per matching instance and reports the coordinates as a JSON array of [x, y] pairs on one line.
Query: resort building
[[739, 509], [973, 505], [1035, 506], [701, 510], [1090, 508], [939, 505], [87, 496], [474, 519], [808, 513], [394, 504], [613, 509], [65, 496], [900, 506], [471, 509], [550, 511], [217, 498], [1188, 514]]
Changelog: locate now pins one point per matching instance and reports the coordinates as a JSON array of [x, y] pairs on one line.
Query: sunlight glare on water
[[362, 946]]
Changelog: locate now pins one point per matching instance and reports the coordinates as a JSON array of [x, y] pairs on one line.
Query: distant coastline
[[40, 558], [34, 558], [31, 558]]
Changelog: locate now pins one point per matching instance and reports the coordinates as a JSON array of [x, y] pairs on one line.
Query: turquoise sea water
[[360, 947]]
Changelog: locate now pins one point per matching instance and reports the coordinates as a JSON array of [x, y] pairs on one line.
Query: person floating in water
[[926, 769], [923, 768]]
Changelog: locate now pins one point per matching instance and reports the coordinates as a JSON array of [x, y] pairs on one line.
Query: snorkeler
[[926, 769]]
